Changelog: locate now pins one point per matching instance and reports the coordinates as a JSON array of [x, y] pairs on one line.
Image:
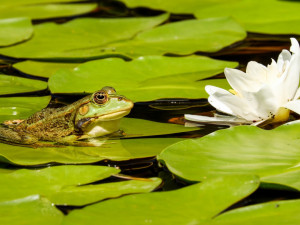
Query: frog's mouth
[[112, 116]]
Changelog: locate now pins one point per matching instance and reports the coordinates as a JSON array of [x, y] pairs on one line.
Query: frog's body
[[96, 115]]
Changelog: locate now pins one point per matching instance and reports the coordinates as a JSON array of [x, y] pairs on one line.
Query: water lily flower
[[262, 93]]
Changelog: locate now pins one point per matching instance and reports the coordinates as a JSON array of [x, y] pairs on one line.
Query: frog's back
[[49, 124], [52, 123]]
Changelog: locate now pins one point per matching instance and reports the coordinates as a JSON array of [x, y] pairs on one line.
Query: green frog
[[95, 115]]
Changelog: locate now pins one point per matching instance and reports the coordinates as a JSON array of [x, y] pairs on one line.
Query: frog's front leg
[[9, 135]]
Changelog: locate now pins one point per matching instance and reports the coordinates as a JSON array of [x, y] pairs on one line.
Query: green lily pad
[[183, 37], [82, 195], [64, 185], [243, 149], [116, 150], [255, 15], [42, 69], [174, 89], [190, 205], [275, 212], [140, 128], [288, 177], [44, 11], [73, 39], [186, 6], [21, 107], [15, 30], [31, 210], [11, 85], [31, 2], [143, 79]]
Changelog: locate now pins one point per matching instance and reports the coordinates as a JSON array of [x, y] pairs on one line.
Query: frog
[[96, 115]]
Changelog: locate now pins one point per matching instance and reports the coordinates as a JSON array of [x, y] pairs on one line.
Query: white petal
[[256, 72], [263, 103], [239, 80], [297, 95], [293, 105], [288, 83], [258, 123], [215, 120], [295, 45], [283, 57], [272, 72], [230, 104], [214, 94], [211, 90]]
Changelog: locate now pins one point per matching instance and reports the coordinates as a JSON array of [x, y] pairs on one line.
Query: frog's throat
[[101, 128]]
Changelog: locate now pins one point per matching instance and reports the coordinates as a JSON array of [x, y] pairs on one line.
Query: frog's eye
[[100, 97]]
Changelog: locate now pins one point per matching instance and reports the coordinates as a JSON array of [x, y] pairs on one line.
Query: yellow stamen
[[233, 92], [281, 115]]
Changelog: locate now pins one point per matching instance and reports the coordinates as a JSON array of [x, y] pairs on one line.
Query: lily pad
[[31, 2], [143, 79], [275, 212], [21, 107], [11, 85], [73, 39], [238, 150], [31, 210], [116, 150], [183, 37], [87, 194], [174, 89], [64, 185], [186, 6], [15, 30], [190, 205], [140, 128], [42, 69], [255, 15], [43, 11]]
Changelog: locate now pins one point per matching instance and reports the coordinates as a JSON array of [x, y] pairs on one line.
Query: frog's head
[[101, 113]]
